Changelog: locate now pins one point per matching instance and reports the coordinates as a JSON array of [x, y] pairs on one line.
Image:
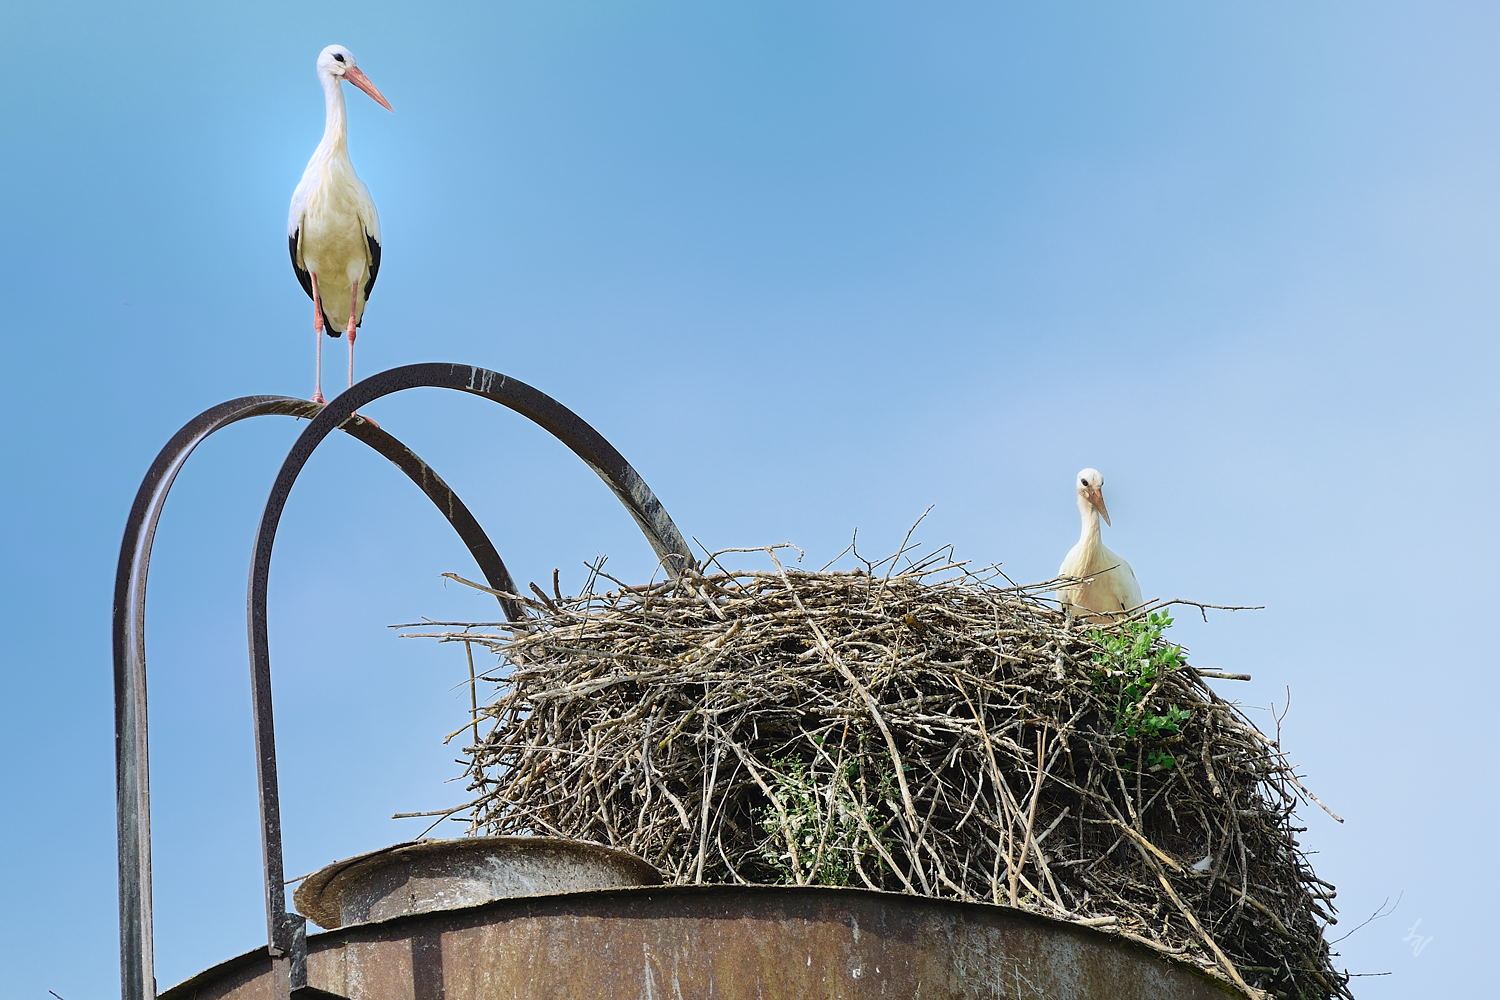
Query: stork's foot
[[317, 397]]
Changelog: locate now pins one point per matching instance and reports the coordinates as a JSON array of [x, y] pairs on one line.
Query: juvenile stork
[[1106, 584], [332, 229]]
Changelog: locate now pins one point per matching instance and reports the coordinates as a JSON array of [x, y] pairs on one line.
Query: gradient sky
[[812, 267]]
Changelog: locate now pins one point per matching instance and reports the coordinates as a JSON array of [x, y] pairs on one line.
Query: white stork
[[333, 231], [1107, 584]]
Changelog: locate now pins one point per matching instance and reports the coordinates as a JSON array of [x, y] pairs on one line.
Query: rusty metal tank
[[730, 942]]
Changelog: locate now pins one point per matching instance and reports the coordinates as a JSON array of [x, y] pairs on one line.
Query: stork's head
[[1090, 486], [338, 62]]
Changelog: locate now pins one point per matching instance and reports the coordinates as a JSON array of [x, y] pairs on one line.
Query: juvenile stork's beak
[[1096, 500], [356, 76]]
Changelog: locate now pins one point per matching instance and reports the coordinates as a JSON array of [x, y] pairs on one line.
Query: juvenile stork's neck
[[1088, 534], [335, 124]]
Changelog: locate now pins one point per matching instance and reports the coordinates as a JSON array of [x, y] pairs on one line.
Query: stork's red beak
[[1096, 500], [356, 76]]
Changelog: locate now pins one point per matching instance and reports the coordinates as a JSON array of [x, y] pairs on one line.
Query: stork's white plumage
[[332, 229], [1107, 584]]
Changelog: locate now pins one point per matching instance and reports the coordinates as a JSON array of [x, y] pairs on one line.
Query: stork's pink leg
[[353, 305], [317, 396], [350, 330]]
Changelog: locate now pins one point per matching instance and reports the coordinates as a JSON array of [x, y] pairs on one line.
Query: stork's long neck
[[1088, 535], [335, 124]]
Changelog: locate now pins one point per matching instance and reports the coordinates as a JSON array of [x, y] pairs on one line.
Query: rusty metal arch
[[286, 931], [132, 784]]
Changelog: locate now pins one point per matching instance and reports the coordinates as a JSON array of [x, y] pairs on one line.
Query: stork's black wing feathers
[[374, 246], [303, 278]]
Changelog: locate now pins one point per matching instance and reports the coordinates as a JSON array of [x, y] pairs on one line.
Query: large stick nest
[[931, 731]]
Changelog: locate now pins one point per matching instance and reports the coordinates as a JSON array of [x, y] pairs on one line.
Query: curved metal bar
[[132, 784], [284, 930]]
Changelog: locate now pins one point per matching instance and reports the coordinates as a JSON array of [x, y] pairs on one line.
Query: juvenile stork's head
[[338, 63], [1090, 486]]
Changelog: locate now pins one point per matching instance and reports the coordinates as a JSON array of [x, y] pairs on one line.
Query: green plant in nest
[[1130, 664], [824, 817]]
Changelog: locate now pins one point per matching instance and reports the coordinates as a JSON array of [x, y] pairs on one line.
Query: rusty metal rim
[[496, 910], [316, 897]]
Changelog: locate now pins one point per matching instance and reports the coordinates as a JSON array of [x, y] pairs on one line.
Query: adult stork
[[332, 229], [1105, 584]]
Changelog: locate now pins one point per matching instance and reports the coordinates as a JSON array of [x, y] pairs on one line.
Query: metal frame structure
[[286, 932]]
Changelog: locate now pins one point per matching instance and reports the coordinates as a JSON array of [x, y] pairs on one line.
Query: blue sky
[[811, 267]]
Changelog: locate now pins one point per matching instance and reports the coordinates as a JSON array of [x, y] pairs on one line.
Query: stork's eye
[[338, 56], [1083, 482]]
